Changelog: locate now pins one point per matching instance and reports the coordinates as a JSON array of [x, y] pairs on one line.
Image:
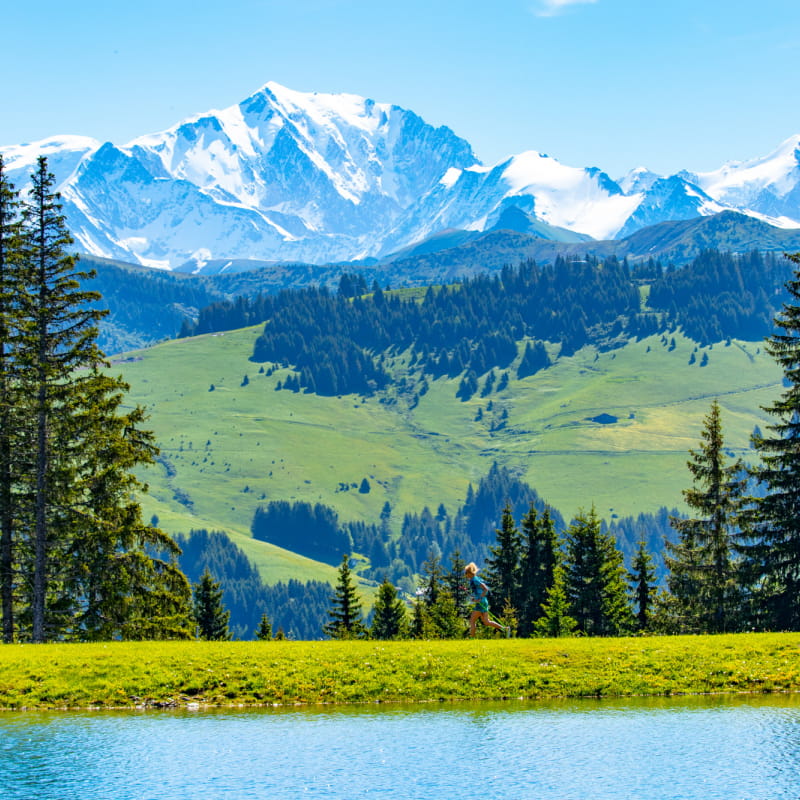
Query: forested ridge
[[336, 342]]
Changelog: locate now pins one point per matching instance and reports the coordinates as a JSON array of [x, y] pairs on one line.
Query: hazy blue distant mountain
[[287, 176]]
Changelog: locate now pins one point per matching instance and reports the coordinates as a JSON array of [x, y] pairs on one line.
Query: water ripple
[[695, 748]]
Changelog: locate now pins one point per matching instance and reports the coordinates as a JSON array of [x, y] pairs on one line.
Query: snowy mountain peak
[[639, 179], [63, 154], [289, 175], [769, 185]]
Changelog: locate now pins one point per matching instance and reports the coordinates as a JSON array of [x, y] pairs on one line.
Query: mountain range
[[287, 176]]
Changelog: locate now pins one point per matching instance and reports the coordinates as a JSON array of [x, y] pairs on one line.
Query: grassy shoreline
[[175, 674]]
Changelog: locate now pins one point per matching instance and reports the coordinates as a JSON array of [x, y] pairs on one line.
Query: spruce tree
[[704, 576], [210, 615], [57, 337], [771, 548], [432, 578], [264, 630], [89, 567], [456, 584], [642, 577], [12, 444], [345, 612], [447, 622], [539, 557], [555, 619], [596, 584], [389, 620], [503, 565], [421, 623]]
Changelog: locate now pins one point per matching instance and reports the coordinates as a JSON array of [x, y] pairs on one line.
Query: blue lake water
[[699, 748]]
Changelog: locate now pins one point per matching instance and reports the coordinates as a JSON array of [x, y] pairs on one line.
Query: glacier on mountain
[[294, 176]]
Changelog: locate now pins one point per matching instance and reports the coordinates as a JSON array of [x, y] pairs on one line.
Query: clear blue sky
[[666, 84]]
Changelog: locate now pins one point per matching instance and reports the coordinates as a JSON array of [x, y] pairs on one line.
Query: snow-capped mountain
[[286, 175], [768, 186]]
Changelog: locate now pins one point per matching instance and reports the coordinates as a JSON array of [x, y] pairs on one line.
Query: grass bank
[[119, 675]]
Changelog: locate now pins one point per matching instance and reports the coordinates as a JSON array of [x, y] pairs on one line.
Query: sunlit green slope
[[226, 449]]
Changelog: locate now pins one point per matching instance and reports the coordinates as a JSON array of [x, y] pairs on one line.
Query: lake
[[732, 748]]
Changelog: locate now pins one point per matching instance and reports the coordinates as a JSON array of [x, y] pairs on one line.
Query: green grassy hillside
[[228, 449]]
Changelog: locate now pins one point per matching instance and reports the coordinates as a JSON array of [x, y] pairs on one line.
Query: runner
[[479, 592]]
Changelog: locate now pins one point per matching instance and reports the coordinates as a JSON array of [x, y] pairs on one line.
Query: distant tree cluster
[[293, 609], [540, 585], [148, 305], [335, 343], [76, 560], [720, 296]]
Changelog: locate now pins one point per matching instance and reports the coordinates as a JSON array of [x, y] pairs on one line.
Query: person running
[[479, 593]]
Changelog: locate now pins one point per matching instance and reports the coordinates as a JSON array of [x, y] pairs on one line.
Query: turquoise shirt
[[480, 594]]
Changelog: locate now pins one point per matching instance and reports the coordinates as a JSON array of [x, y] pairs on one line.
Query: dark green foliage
[[389, 620], [315, 531], [328, 339], [503, 564], [771, 546], [446, 623], [227, 315], [703, 576], [555, 620], [346, 620], [12, 428], [432, 578], [210, 616], [481, 509], [436, 611], [334, 341], [654, 529], [146, 305], [539, 556], [642, 579], [473, 326], [456, 584], [468, 386], [352, 284], [534, 358], [488, 384], [264, 630], [84, 565], [720, 295], [312, 531], [595, 579]]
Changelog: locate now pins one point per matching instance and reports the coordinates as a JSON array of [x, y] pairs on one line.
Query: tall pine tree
[[771, 548], [642, 577], [57, 338], [390, 620], [345, 613], [596, 584], [12, 444], [87, 566], [502, 574], [210, 615], [539, 557], [705, 583]]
